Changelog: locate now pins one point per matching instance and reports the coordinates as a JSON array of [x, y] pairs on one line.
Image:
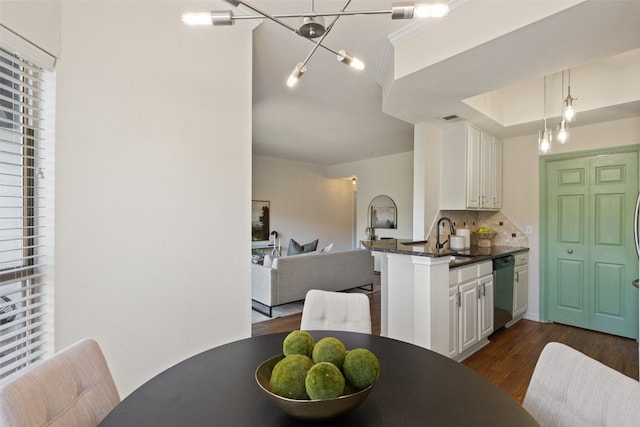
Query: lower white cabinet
[[485, 306], [470, 308], [520, 285]]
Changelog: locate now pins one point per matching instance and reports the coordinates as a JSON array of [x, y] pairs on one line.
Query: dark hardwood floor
[[512, 355]]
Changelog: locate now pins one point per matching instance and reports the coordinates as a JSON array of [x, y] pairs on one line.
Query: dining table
[[415, 387]]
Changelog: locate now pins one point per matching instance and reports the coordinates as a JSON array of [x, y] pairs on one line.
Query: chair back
[[73, 388], [569, 388], [338, 311]]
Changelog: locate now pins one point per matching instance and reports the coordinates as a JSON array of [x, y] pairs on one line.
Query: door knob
[[635, 283], [569, 251]]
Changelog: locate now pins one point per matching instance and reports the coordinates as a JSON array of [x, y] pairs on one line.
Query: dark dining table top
[[416, 387]]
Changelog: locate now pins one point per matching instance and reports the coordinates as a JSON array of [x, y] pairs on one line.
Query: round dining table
[[416, 387]]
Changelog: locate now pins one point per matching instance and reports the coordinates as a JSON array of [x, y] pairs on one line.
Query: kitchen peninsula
[[420, 298]]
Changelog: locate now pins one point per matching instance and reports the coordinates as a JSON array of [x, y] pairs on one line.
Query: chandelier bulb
[[350, 61], [297, 72], [431, 10], [197, 19]]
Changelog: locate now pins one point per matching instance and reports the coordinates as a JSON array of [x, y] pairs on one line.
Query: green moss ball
[[361, 368], [298, 342], [324, 381], [288, 376], [331, 350]]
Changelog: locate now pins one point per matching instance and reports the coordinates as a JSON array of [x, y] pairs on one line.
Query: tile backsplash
[[496, 221]]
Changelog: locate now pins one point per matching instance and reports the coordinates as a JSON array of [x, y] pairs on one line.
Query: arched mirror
[[383, 213]]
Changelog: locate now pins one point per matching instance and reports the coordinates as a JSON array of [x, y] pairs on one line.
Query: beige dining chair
[[569, 388], [338, 311], [73, 388]]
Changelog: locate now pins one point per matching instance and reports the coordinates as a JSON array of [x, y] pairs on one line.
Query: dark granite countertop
[[458, 258]]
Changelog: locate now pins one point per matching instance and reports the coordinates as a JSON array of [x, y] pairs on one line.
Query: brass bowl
[[312, 410]]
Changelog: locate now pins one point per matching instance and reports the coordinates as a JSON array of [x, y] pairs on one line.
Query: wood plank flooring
[[511, 357]]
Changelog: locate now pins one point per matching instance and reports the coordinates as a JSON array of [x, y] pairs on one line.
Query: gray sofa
[[290, 277]]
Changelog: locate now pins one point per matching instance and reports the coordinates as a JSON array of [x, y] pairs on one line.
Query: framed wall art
[[259, 220]]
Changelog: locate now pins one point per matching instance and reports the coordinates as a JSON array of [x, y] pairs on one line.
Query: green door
[[591, 258]]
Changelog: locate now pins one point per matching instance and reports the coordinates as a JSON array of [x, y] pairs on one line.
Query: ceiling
[[483, 51]]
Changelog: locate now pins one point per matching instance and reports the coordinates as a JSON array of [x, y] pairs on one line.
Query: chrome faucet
[[453, 231]]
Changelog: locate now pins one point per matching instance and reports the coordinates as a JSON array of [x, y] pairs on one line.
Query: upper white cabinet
[[471, 169]]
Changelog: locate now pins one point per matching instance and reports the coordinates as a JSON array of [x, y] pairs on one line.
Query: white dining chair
[[73, 388], [569, 388], [339, 311]]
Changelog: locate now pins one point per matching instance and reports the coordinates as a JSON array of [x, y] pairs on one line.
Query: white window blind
[[23, 201]]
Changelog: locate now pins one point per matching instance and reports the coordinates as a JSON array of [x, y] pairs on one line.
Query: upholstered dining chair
[[569, 388], [340, 311], [73, 388]]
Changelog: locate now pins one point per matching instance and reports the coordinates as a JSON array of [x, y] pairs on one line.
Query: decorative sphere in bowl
[[307, 409]]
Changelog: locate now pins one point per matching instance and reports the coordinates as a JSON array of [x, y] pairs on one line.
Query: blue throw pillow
[[297, 248]]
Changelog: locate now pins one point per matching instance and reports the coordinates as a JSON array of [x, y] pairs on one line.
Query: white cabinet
[[520, 285], [452, 350], [485, 306], [471, 172], [470, 308]]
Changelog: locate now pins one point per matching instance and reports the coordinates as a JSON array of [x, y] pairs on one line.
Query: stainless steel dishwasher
[[503, 290]]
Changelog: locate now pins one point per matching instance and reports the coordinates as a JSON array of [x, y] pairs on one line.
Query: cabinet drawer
[[521, 259], [485, 268], [468, 273], [453, 277]]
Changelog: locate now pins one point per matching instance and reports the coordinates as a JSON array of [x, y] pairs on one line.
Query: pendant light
[[568, 112], [563, 132], [544, 136]]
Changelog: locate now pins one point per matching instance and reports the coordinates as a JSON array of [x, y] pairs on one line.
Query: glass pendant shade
[[544, 141], [563, 134]]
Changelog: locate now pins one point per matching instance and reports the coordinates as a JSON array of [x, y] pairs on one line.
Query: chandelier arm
[[278, 21], [316, 14], [321, 39]]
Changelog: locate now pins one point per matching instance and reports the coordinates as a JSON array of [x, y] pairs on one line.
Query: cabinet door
[[453, 321], [485, 306], [473, 167], [497, 174], [468, 326], [486, 171], [520, 290]]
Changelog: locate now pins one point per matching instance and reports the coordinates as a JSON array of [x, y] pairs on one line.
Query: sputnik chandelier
[[312, 25]]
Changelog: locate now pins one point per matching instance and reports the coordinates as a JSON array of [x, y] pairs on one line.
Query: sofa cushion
[[297, 248]]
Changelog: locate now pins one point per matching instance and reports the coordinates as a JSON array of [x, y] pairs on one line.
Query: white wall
[[521, 181], [153, 195], [389, 175], [305, 204], [36, 21], [426, 190]]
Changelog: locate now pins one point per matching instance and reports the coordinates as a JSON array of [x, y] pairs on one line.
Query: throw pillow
[[327, 248], [297, 248]]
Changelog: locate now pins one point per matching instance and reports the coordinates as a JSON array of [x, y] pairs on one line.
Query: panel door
[[473, 167], [520, 290], [568, 241], [485, 306], [453, 321], [613, 303], [468, 320], [591, 254]]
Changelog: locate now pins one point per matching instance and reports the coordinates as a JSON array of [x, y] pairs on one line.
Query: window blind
[[23, 201]]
